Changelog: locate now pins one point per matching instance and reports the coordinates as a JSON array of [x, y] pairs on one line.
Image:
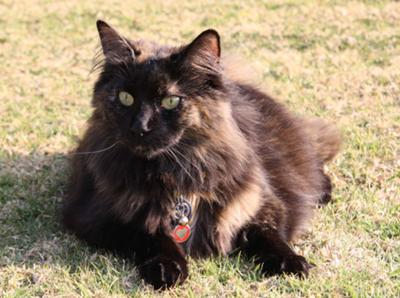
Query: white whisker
[[173, 154], [187, 160], [94, 152]]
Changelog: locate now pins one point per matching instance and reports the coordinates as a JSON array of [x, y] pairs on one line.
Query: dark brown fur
[[252, 171]]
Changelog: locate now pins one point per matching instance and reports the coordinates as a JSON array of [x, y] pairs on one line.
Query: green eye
[[125, 98], [170, 102]]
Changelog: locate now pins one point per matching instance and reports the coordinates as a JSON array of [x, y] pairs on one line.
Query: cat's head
[[154, 97]]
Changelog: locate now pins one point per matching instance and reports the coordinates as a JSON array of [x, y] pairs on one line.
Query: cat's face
[[151, 96]]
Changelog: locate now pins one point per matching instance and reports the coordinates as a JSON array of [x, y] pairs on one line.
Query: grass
[[339, 60]]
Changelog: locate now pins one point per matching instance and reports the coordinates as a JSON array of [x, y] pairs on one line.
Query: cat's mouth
[[146, 151], [148, 148]]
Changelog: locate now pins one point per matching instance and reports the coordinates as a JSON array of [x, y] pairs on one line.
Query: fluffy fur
[[252, 171]]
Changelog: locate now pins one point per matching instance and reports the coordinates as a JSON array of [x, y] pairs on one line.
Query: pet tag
[[181, 233], [183, 209]]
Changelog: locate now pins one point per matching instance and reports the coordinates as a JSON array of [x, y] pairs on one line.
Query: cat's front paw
[[164, 272], [293, 264]]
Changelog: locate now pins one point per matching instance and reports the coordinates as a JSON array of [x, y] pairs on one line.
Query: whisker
[[94, 152], [187, 160], [177, 161]]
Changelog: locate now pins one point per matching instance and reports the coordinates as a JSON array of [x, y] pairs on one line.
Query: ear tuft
[[115, 47]]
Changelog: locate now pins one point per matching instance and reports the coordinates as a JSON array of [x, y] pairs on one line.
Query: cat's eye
[[170, 102], [125, 98]]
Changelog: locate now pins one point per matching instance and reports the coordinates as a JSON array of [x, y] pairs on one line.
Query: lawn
[[339, 60]]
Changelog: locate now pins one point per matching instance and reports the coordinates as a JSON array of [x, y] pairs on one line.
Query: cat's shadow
[[32, 238], [31, 191]]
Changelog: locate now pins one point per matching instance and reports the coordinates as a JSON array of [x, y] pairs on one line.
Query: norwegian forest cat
[[180, 159]]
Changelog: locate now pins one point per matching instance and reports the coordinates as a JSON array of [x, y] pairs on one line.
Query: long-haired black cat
[[181, 159]]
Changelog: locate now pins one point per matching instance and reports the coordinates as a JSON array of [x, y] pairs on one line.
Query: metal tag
[[181, 233]]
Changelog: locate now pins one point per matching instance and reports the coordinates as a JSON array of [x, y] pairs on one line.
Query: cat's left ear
[[206, 46], [115, 47]]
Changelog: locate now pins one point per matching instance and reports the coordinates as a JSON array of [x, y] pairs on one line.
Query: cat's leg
[[272, 252], [266, 239], [161, 262], [270, 249]]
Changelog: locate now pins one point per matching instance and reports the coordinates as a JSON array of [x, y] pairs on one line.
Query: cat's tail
[[325, 137]]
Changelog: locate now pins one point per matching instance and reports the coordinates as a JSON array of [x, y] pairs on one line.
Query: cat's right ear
[[115, 47], [205, 47]]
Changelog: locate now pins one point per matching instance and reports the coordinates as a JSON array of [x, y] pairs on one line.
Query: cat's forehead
[[150, 51]]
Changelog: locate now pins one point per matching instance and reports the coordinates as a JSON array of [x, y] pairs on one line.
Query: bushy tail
[[326, 138]]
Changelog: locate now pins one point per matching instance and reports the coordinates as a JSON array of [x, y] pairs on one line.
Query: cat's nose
[[141, 123], [140, 127]]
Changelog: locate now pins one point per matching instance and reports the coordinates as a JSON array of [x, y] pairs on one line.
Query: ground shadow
[[31, 190]]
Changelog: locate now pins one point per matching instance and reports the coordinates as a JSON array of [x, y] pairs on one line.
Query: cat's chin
[[148, 153]]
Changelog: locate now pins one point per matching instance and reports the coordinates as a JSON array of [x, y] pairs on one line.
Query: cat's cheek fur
[[193, 117]]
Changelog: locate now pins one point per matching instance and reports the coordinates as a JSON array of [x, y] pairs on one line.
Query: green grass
[[339, 60]]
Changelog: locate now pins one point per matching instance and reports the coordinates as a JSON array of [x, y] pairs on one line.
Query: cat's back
[[265, 121], [281, 141]]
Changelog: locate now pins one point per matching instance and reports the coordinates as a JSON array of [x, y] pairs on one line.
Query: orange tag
[[181, 233]]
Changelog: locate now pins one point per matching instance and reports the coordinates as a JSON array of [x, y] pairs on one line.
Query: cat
[[180, 159]]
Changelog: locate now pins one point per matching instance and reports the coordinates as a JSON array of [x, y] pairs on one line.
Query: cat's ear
[[115, 47], [205, 46]]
